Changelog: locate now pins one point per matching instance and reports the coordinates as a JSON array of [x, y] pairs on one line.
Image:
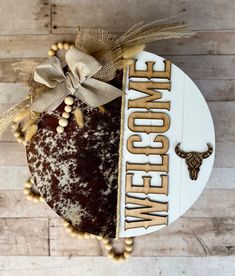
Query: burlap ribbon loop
[[77, 81]]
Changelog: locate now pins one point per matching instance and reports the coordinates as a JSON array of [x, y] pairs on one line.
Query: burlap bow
[[77, 81]]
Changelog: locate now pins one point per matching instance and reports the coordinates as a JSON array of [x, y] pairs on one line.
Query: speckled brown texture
[[76, 171]]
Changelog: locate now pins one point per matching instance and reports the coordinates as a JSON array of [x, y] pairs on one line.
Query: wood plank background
[[202, 242]]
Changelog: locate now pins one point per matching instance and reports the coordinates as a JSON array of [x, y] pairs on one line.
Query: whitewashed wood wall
[[32, 239]]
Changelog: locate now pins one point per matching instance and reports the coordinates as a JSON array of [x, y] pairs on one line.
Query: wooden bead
[[99, 238], [105, 240], [86, 235], [16, 134], [79, 235], [68, 108], [20, 139], [51, 53], [116, 258], [63, 122], [73, 233], [71, 46], [54, 47], [66, 46], [65, 223], [60, 45], [126, 254], [128, 241], [60, 129], [31, 180], [70, 226], [65, 115], [68, 229], [41, 199], [110, 254], [128, 248], [27, 191], [24, 143], [121, 258], [29, 196], [28, 184], [36, 198], [108, 246], [69, 100]]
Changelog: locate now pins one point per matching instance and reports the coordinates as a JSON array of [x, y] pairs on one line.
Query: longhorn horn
[[207, 153], [180, 152]]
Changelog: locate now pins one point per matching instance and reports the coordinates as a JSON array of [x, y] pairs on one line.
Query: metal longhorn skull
[[193, 159]]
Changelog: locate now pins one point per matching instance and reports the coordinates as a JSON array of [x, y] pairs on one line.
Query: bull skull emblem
[[193, 159]]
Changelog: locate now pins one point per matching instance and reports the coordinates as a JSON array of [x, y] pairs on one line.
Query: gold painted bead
[[99, 238], [66, 46], [69, 100], [68, 108], [60, 129], [65, 115], [51, 53], [54, 47], [63, 122], [31, 180], [71, 46], [24, 143], [60, 45]]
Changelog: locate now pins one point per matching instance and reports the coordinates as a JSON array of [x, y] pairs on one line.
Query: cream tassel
[[27, 124], [79, 117], [133, 51], [123, 63], [31, 132], [21, 115]]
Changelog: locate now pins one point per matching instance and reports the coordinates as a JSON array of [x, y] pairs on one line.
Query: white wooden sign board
[[190, 124]]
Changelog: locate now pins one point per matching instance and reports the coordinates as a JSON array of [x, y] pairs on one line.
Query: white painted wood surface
[[30, 233]]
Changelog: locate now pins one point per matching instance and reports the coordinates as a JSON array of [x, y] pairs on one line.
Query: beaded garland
[[63, 121]]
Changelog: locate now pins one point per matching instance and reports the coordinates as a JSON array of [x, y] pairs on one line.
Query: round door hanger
[[166, 148], [146, 168]]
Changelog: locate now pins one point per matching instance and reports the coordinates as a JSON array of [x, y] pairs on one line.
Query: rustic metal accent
[[193, 159]]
